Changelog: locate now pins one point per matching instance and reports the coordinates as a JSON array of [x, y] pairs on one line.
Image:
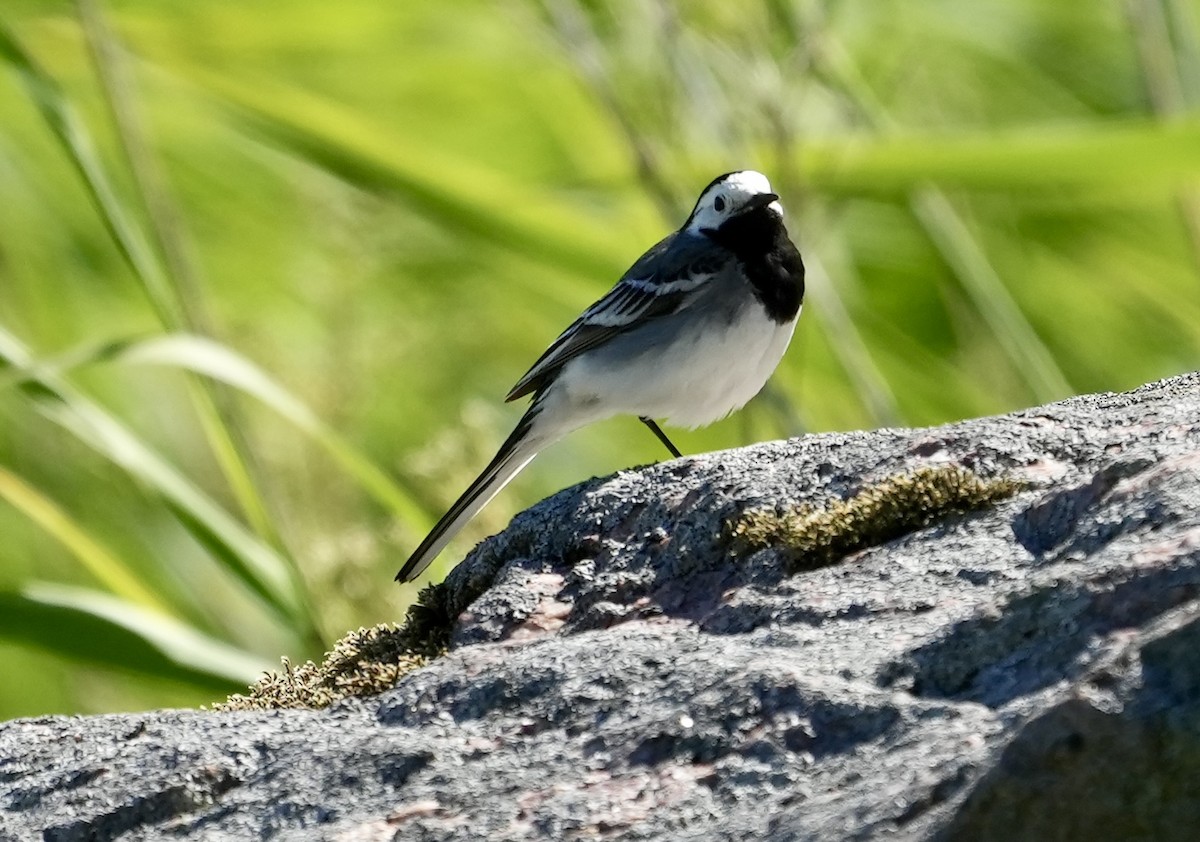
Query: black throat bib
[[768, 257]]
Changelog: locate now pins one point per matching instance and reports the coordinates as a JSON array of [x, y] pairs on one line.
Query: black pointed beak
[[760, 201]]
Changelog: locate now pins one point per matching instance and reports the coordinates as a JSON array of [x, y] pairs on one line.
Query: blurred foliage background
[[267, 270]]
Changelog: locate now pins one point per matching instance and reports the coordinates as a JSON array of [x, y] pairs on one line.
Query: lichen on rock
[[814, 537], [363, 663]]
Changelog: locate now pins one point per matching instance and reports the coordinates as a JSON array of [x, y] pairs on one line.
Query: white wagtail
[[689, 334]]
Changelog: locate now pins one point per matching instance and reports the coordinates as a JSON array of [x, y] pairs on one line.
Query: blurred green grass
[[355, 225]]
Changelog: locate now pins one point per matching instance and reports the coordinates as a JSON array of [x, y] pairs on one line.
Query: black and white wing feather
[[660, 283]]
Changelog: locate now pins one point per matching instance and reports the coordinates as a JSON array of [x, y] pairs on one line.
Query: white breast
[[719, 374], [690, 377]]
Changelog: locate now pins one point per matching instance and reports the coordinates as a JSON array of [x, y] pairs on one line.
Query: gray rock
[[1028, 671]]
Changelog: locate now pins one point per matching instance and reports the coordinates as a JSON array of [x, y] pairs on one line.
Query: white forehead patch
[[747, 183], [726, 197]]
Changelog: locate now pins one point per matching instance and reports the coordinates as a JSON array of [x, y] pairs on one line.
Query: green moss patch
[[816, 537], [362, 663]]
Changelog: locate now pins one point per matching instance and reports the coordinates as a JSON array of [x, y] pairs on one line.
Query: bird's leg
[[654, 428]]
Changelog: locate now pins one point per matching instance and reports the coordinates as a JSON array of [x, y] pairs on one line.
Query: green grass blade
[[455, 193], [211, 359], [248, 558], [992, 298], [99, 560], [161, 289], [119, 87], [1114, 155], [223, 439], [847, 342], [77, 143], [179, 276], [105, 631], [964, 255]]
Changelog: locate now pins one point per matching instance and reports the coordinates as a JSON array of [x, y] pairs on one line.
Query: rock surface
[[1029, 671]]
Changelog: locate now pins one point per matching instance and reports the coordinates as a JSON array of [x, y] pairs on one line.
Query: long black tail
[[516, 452]]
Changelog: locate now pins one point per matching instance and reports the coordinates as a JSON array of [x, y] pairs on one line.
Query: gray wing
[[658, 284]]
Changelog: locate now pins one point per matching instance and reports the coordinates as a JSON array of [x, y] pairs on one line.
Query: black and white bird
[[688, 335]]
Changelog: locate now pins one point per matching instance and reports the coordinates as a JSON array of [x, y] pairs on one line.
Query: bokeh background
[[267, 270]]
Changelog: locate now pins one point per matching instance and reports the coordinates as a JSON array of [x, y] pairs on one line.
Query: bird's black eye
[[719, 204]]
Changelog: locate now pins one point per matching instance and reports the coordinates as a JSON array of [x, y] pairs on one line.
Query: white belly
[[692, 378]]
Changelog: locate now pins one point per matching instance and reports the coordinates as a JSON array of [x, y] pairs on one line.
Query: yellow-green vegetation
[[883, 511], [362, 663], [268, 269]]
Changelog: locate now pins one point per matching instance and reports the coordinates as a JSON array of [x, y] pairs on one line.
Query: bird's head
[[730, 196]]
